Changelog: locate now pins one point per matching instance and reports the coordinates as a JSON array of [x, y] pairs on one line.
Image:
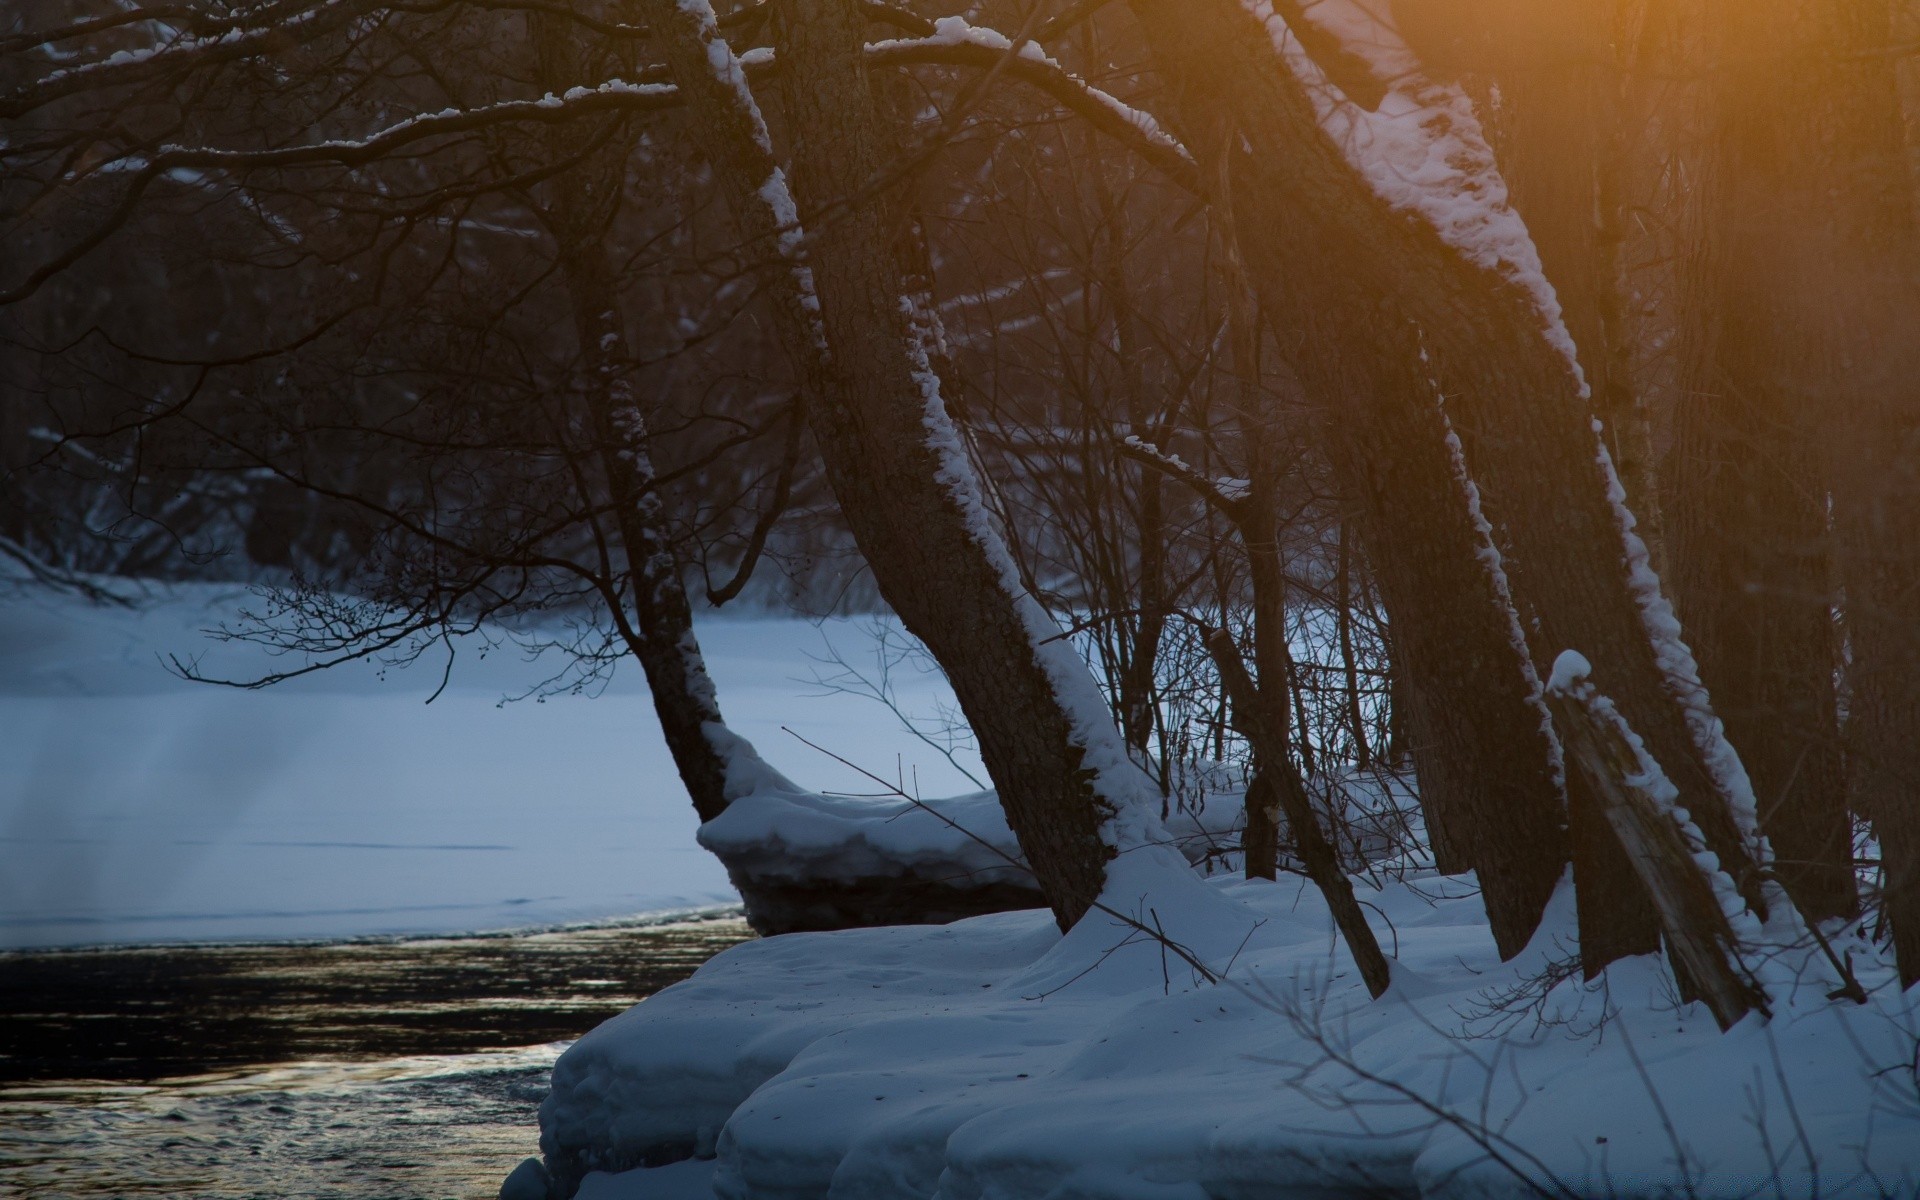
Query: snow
[[1677, 664], [410, 129], [997, 1058], [804, 835], [1571, 673], [1488, 552], [1132, 823], [1422, 149], [773, 193], [1783, 925], [792, 834], [956, 31], [792, 243], [177, 46], [1568, 669], [138, 807]]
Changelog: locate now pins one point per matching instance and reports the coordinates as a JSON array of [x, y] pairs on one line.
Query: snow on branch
[[954, 42], [611, 96], [949, 41], [1134, 822], [1487, 550], [615, 95], [1677, 664], [268, 27], [1228, 496]]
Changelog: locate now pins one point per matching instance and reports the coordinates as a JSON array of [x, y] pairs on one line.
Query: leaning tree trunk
[[653, 616], [1480, 323], [1744, 524], [862, 346], [1481, 749], [1753, 576], [1571, 114]]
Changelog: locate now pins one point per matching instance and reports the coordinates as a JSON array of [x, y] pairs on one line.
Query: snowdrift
[[996, 1058], [807, 861]]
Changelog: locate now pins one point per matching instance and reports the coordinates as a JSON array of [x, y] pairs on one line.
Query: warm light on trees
[[1215, 388]]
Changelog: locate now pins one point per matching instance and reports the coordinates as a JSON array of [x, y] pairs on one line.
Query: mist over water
[[136, 806]]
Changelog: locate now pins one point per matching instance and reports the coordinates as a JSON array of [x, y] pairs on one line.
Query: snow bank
[[805, 860], [797, 835], [996, 1058], [806, 835]]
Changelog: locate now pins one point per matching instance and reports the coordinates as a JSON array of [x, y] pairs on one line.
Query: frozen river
[[138, 807]]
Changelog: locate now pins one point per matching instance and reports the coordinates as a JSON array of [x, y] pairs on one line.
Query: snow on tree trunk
[[896, 463], [1485, 765], [1436, 259], [1702, 913], [716, 765]]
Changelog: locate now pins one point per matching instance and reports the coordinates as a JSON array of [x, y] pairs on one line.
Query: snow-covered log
[[1697, 901]]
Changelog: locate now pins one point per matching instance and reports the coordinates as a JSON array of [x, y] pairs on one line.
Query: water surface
[[359, 1070]]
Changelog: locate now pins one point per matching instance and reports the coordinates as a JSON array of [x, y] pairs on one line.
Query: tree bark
[[1744, 525], [1697, 931], [1483, 759], [1565, 70], [1343, 594], [1753, 577], [907, 491], [1258, 721], [1822, 250], [861, 346], [1522, 413], [660, 633]]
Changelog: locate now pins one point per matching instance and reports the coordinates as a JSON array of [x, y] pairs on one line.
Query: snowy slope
[[996, 1059], [135, 806]]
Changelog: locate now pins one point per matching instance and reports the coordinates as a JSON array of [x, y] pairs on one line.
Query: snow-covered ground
[[994, 1059], [135, 806]]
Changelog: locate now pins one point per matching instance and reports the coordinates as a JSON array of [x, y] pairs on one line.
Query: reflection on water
[[400, 1128], [390, 1069]]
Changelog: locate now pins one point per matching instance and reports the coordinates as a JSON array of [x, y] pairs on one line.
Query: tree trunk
[[1483, 759], [898, 469], [660, 632], [1748, 499], [1752, 586], [662, 638], [1480, 331], [908, 492], [1628, 787], [1263, 725], [1753, 578], [1821, 249], [1343, 595]]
